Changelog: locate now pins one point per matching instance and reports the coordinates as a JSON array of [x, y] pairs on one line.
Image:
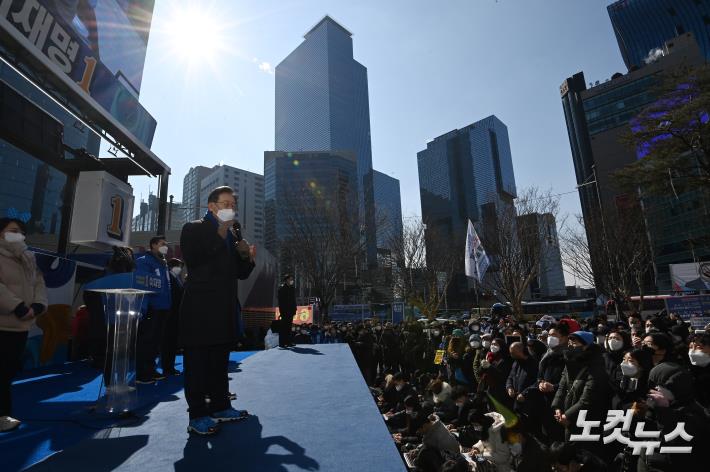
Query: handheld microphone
[[237, 229]]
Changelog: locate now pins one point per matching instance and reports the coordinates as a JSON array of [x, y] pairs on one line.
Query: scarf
[[230, 241]]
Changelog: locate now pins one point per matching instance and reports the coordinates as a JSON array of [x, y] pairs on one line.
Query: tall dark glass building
[[297, 180], [597, 120], [642, 26], [465, 174], [463, 170], [322, 104], [388, 210]]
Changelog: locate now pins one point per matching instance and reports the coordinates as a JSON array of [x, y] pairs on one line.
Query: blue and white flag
[[476, 259]]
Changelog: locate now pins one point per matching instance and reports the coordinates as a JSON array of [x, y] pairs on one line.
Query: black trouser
[[150, 332], [285, 327], [169, 345], [206, 370], [12, 346]]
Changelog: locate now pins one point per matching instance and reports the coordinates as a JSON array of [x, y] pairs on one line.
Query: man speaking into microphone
[[216, 257]]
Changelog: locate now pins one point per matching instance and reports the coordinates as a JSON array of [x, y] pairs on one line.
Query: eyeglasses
[[227, 204]]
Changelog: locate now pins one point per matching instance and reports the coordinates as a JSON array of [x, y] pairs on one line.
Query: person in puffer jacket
[[492, 445], [23, 298]]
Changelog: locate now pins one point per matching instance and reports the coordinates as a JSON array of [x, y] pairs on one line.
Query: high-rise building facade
[[322, 104], [147, 218], [249, 191], [315, 189], [463, 174], [643, 26], [388, 210], [597, 121], [463, 170], [191, 188], [550, 280]]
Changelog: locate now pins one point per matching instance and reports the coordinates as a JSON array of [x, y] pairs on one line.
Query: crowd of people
[[501, 394], [490, 393]]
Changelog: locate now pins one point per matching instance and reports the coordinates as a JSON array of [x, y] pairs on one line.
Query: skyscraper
[[302, 187], [191, 186], [643, 26], [388, 210], [550, 280], [322, 104], [248, 189], [597, 120], [463, 174], [461, 171]]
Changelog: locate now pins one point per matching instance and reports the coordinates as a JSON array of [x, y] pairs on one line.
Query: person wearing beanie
[[584, 386], [671, 401]]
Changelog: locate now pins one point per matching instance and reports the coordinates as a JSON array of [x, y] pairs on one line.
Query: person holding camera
[[216, 257], [23, 297]]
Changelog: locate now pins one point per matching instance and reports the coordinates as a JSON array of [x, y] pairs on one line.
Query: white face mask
[[226, 214], [163, 250], [553, 341], [176, 271], [437, 333], [14, 237], [629, 369], [398, 387], [495, 348], [615, 344], [474, 327], [290, 283], [486, 344], [699, 358], [475, 344]]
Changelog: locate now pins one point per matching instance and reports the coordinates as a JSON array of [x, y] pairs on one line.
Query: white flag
[[476, 259]]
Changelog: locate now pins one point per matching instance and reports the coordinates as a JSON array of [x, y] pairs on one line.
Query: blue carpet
[[54, 405], [311, 411]]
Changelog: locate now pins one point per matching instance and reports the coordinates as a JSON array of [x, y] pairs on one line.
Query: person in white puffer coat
[[492, 444], [23, 298]]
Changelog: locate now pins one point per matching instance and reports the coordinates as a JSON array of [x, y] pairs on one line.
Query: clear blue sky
[[432, 66]]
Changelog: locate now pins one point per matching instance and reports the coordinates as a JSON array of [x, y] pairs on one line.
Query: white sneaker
[[8, 423]]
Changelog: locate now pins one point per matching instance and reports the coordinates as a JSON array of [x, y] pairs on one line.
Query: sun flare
[[195, 35]]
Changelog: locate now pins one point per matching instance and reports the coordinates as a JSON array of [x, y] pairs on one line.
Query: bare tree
[[612, 254], [325, 241], [516, 243], [426, 265], [576, 253]]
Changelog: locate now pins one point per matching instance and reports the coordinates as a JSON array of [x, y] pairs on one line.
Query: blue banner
[[77, 37], [692, 308]]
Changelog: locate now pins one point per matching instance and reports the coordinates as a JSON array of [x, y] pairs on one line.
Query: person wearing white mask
[[539, 396], [699, 356], [23, 298], [615, 345], [217, 257], [156, 311], [634, 367]]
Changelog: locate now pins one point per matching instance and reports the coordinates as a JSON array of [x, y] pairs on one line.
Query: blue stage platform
[[311, 411]]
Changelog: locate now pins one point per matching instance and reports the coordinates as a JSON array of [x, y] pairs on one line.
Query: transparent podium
[[122, 296]]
